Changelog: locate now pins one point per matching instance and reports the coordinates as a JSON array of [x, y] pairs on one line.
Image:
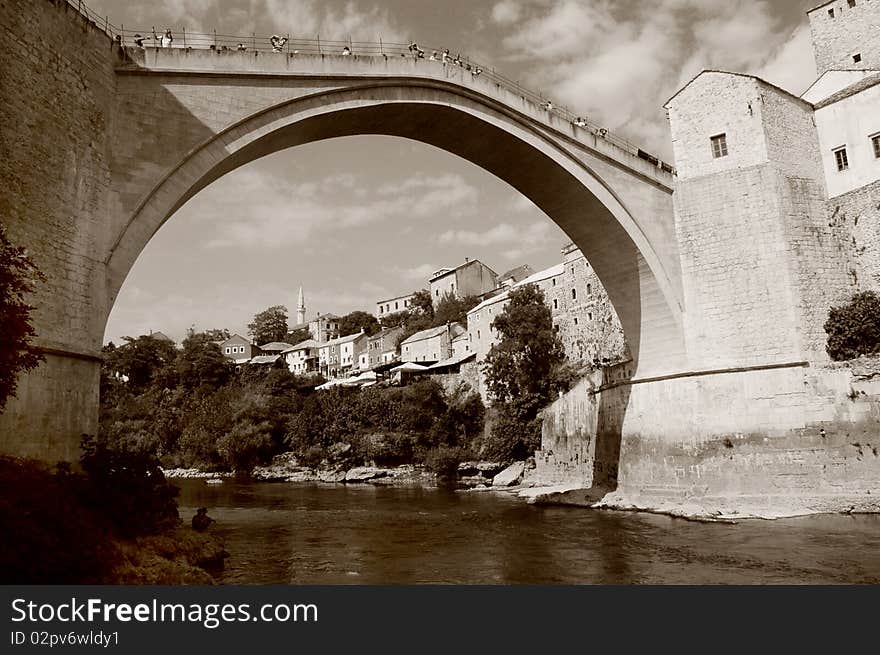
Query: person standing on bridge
[[346, 51], [167, 38], [277, 42]]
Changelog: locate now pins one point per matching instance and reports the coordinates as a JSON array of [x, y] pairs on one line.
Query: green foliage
[[269, 325], [140, 360], [443, 461], [50, 535], [397, 319], [299, 335], [521, 368], [422, 303], [854, 329], [129, 487], [18, 275], [523, 372], [201, 365], [357, 321], [512, 436], [246, 445], [451, 309]]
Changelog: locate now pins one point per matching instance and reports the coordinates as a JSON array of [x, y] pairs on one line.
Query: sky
[[358, 219]]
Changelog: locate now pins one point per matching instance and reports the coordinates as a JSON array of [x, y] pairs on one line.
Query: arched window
[[574, 294]]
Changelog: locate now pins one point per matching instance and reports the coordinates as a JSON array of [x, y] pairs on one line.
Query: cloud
[[535, 234], [418, 273], [506, 11], [256, 210], [308, 18], [618, 60]]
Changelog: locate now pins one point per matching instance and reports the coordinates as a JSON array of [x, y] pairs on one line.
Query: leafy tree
[[357, 321], [269, 325], [216, 334], [201, 364], [298, 336], [523, 370], [854, 329], [452, 309], [422, 303], [395, 320], [18, 274], [140, 360], [521, 366]]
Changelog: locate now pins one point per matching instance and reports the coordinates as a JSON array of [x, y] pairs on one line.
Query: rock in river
[[364, 473], [509, 476]]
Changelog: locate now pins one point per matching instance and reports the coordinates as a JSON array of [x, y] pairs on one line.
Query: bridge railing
[[294, 45]]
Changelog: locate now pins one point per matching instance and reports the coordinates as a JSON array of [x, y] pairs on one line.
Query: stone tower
[[844, 34], [301, 308]]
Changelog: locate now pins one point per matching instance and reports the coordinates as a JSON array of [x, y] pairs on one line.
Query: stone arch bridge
[[113, 140]]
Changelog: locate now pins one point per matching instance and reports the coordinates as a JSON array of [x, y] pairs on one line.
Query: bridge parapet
[[351, 68]]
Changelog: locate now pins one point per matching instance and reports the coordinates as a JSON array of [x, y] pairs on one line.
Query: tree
[[269, 325], [452, 309], [357, 321], [854, 329], [394, 320], [200, 363], [521, 367], [221, 334], [298, 336], [422, 303], [139, 360], [18, 274]]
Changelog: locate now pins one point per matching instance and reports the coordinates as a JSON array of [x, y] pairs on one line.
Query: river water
[[290, 533]]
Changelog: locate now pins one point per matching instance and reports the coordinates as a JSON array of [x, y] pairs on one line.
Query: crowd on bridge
[[277, 43]]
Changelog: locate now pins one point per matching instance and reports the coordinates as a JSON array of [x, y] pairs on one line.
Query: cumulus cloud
[[359, 21], [287, 213], [507, 11], [535, 234], [618, 60]]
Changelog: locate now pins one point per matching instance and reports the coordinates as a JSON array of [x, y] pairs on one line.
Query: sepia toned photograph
[[404, 293]]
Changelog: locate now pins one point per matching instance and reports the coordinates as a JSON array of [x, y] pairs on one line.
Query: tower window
[[719, 145], [831, 12], [841, 159], [555, 304], [876, 141], [575, 320], [589, 289], [857, 58], [851, 3], [574, 294]]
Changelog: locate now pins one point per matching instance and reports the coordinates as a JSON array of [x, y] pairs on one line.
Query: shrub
[[443, 462], [128, 486], [246, 445], [511, 437], [854, 329]]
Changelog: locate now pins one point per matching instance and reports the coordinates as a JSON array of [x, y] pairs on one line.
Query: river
[[291, 533]]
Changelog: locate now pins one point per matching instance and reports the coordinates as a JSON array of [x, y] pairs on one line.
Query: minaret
[[301, 308]]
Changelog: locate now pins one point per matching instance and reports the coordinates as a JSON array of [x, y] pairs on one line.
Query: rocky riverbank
[[288, 468]]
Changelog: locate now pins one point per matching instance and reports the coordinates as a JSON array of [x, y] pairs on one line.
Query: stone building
[[302, 358], [758, 167], [582, 314], [238, 349], [844, 34], [473, 278], [324, 328], [393, 305], [382, 347], [430, 346]]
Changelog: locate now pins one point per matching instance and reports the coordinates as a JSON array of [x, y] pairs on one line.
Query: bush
[[854, 329], [511, 437], [246, 445], [128, 486], [443, 461]]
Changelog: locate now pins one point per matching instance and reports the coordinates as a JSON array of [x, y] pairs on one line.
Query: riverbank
[[57, 534], [288, 468]]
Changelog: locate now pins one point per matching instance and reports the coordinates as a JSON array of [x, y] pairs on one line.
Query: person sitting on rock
[[201, 520]]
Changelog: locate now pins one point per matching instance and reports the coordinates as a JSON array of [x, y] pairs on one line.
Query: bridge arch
[[641, 280]]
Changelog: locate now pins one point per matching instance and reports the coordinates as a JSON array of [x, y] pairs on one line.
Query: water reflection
[[312, 534]]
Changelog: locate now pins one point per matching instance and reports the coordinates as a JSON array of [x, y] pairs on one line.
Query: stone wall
[[851, 30], [857, 215], [54, 171], [783, 440]]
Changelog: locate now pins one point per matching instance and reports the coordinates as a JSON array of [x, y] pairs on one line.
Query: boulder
[[327, 475], [486, 469], [509, 476], [364, 473], [338, 451]]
